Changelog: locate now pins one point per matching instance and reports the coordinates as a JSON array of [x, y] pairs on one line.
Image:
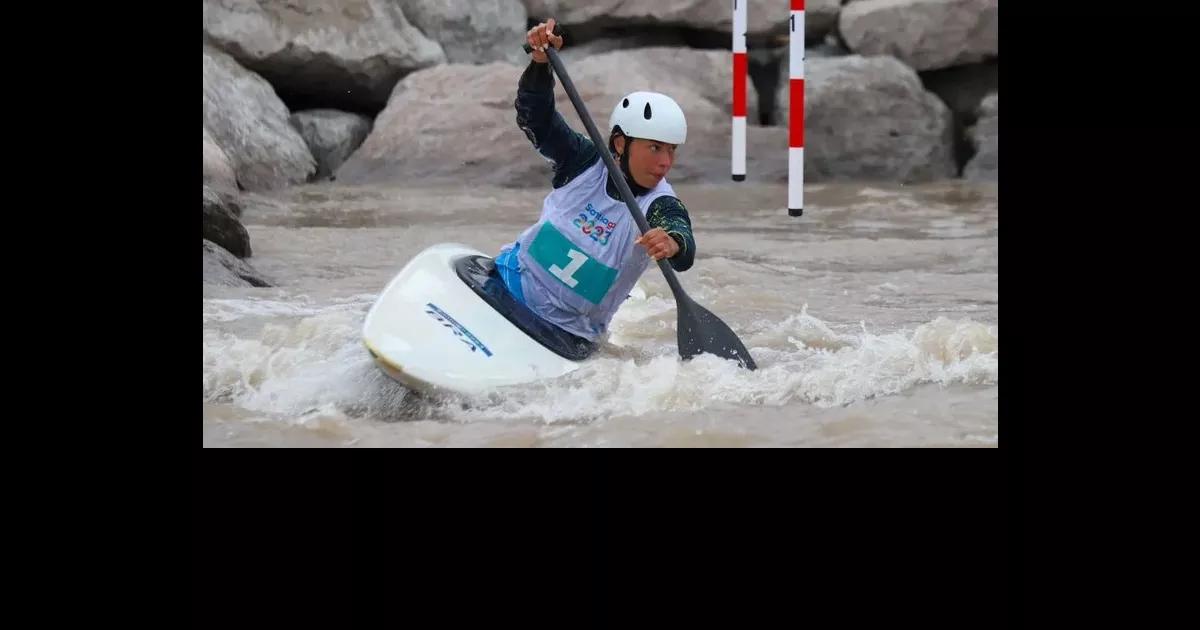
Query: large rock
[[707, 155], [820, 17], [346, 54], [452, 123], [331, 136], [247, 120], [985, 138], [963, 87], [223, 268], [221, 224], [924, 34], [589, 15], [701, 81], [769, 67], [829, 47], [870, 118], [217, 170], [573, 54], [471, 31], [457, 124]]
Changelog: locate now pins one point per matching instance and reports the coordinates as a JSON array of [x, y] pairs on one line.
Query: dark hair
[[617, 131]]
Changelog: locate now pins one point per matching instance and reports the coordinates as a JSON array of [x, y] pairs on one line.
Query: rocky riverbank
[[421, 91]]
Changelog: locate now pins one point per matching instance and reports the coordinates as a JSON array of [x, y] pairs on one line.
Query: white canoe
[[431, 331]]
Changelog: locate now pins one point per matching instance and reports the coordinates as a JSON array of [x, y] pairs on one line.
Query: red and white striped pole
[[740, 70], [796, 111]]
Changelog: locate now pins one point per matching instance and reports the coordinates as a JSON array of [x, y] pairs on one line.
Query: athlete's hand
[[658, 244], [541, 35]]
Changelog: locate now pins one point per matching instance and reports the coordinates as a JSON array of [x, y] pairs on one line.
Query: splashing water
[[873, 322]]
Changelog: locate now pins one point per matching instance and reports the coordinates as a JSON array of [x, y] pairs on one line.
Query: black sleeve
[[569, 152], [669, 214]]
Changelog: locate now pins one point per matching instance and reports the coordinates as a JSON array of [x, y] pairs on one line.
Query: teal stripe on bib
[[577, 271]]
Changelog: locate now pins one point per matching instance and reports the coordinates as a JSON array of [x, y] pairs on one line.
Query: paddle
[[698, 329]]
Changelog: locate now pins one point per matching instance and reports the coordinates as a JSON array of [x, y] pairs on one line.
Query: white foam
[[315, 371], [227, 310], [817, 365]]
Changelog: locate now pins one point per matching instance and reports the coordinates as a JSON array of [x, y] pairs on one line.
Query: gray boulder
[[924, 34], [343, 53], [223, 268], [331, 136], [963, 87], [221, 224], [246, 118], [456, 123], [820, 16], [573, 54], [701, 81], [450, 124], [217, 170], [471, 31], [870, 118], [985, 139]]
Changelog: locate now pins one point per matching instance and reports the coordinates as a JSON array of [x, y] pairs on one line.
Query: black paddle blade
[[700, 331]]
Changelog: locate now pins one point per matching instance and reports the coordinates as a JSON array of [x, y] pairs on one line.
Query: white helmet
[[651, 116]]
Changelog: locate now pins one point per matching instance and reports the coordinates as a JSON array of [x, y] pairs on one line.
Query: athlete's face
[[649, 160]]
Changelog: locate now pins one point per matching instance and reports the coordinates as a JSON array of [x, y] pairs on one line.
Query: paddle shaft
[[613, 171]]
